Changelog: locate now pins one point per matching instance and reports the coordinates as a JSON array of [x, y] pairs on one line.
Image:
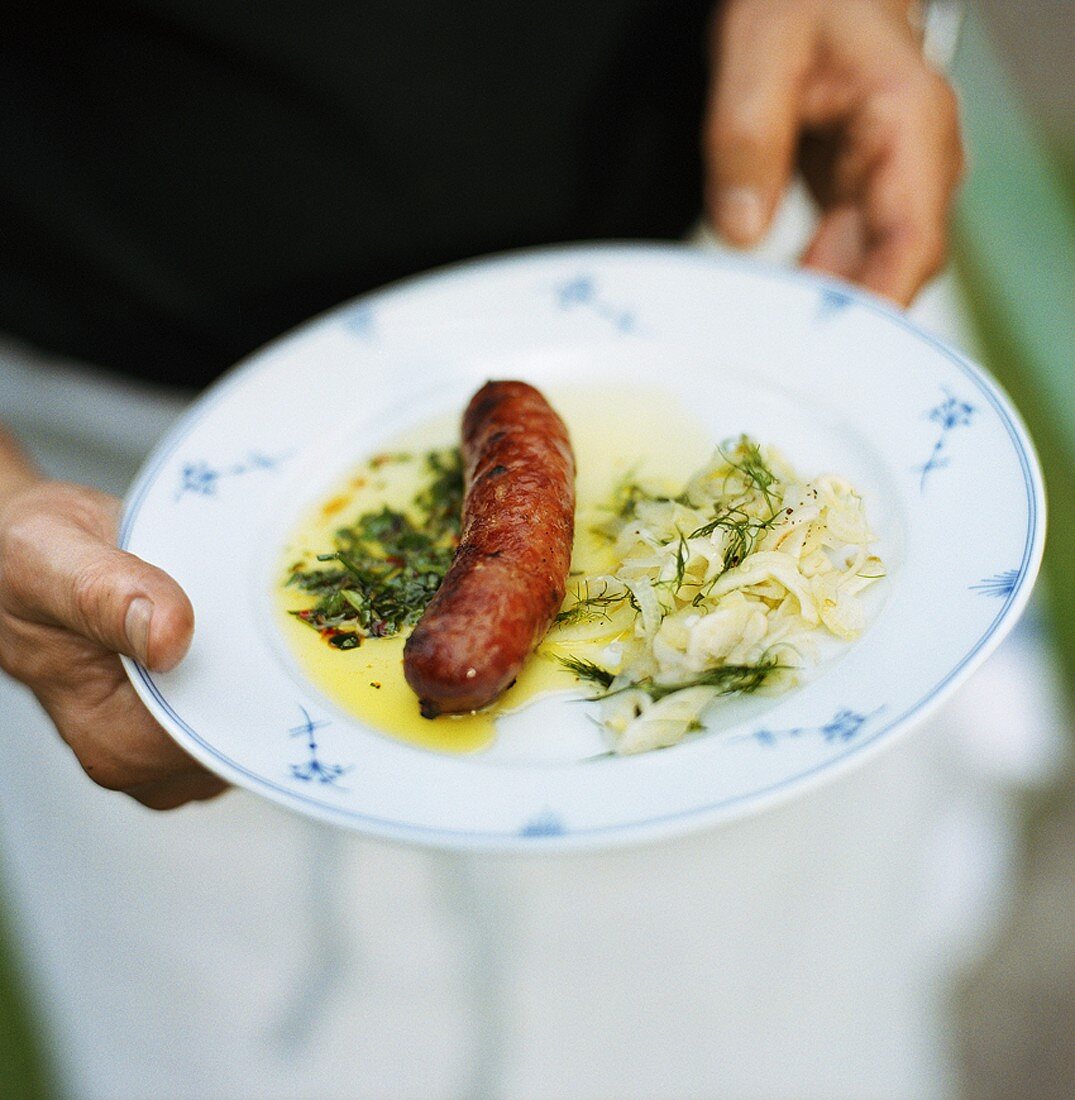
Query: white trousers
[[233, 949]]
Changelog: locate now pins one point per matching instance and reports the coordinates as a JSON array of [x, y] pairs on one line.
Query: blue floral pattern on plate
[[950, 414], [201, 479], [360, 321], [844, 725], [832, 301], [545, 823], [314, 769], [1000, 585], [582, 292]]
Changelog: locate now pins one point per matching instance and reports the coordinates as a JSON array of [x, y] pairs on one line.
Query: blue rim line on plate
[[1018, 594]]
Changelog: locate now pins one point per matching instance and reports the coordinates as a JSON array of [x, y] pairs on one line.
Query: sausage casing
[[506, 583]]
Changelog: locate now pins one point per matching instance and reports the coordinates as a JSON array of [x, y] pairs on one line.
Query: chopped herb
[[441, 501], [727, 679], [386, 457], [753, 467], [629, 494], [742, 532], [386, 566], [587, 670], [588, 606], [682, 557]]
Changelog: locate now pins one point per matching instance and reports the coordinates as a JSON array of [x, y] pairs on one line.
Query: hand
[[840, 88], [69, 602]]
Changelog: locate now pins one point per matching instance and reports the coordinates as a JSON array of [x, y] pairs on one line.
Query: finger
[[85, 692], [98, 713], [895, 163], [169, 794], [64, 573], [891, 243], [761, 57], [839, 244], [901, 261], [908, 196], [891, 148]]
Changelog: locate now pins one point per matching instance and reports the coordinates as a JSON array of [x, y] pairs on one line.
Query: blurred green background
[[1015, 256]]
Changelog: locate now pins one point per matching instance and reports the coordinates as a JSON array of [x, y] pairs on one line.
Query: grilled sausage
[[506, 582]]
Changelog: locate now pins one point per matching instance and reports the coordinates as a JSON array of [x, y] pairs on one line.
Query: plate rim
[[662, 825]]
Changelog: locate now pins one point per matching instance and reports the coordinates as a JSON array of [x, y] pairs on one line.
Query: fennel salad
[[726, 588]]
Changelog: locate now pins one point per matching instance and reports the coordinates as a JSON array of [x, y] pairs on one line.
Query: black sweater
[[181, 180]]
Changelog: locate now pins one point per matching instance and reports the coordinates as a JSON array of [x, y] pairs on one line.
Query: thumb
[[64, 573]]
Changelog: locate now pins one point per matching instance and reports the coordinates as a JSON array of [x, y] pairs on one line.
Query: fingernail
[[741, 213], [136, 627]]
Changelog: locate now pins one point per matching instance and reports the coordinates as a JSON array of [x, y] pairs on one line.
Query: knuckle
[[89, 588], [158, 800], [742, 131], [78, 505], [936, 101], [31, 520]]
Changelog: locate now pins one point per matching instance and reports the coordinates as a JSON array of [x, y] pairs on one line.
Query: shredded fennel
[[723, 589]]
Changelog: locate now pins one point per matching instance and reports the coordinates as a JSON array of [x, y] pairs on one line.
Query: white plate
[[838, 380]]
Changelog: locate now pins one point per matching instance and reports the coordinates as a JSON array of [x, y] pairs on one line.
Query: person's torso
[[185, 180]]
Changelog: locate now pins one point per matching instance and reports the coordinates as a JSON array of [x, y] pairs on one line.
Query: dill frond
[[727, 679], [754, 469], [587, 670], [588, 606], [742, 531], [676, 582]]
